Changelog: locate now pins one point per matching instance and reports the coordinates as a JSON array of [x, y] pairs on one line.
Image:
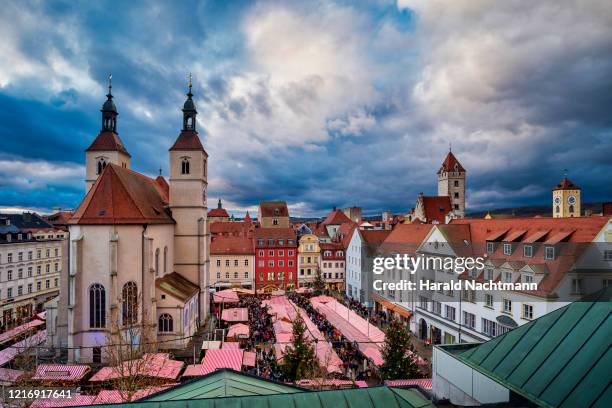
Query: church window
[[166, 323], [165, 259], [157, 262], [571, 208], [185, 166], [97, 305], [557, 209], [101, 165], [129, 296]]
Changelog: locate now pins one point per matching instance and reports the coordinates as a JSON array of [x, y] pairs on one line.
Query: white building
[[139, 246]]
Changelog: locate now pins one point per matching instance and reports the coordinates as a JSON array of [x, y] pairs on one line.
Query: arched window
[[97, 306], [571, 208], [185, 166], [129, 295], [157, 262], [165, 259], [166, 324], [101, 165], [557, 209]]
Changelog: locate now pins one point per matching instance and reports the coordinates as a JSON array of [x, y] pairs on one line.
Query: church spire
[[109, 110], [189, 110]]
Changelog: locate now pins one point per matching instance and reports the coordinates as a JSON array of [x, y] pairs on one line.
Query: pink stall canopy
[[103, 397], [14, 332], [249, 359], [235, 315], [10, 353], [303, 290], [154, 365], [60, 372], [238, 330], [215, 359], [424, 383], [369, 338], [281, 306], [230, 346], [225, 296]]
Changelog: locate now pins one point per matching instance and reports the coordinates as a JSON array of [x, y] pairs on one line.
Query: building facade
[[275, 259], [333, 265], [309, 260], [273, 214], [566, 199], [232, 261]]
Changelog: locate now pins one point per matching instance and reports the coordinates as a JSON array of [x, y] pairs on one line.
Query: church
[[139, 246]]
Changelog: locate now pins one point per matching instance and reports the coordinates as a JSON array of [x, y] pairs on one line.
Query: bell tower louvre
[[107, 147]]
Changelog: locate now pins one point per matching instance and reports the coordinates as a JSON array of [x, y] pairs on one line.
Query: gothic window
[[571, 208], [557, 209], [101, 165], [166, 323], [165, 259], [129, 296], [185, 166], [157, 262], [97, 306]]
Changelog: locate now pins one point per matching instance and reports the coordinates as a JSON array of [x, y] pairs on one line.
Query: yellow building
[[566, 199], [309, 257]]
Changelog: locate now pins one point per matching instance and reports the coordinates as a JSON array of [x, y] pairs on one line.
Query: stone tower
[[451, 183], [188, 186], [107, 146], [566, 199]]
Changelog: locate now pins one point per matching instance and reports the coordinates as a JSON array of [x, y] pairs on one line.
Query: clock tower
[[566, 199]]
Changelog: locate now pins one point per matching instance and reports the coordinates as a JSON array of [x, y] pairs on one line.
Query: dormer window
[[185, 166], [507, 249], [549, 253], [528, 251], [490, 247]]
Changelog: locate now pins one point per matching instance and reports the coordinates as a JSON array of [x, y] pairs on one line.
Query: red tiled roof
[[405, 238], [436, 208], [122, 196], [107, 141], [162, 184], [231, 246], [268, 209], [566, 184], [333, 247], [188, 140], [345, 233], [569, 230], [448, 165], [218, 212], [336, 217], [232, 228], [59, 218], [275, 233]]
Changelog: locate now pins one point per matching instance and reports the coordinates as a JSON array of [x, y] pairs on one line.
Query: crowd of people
[[260, 323], [355, 364]]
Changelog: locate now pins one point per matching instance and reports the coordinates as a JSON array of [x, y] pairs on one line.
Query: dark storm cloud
[[320, 104]]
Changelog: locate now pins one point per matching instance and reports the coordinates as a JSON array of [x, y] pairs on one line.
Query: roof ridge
[[127, 190]]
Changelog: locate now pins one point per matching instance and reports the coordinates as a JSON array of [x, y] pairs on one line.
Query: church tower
[[566, 199], [451, 183], [188, 186], [107, 146]]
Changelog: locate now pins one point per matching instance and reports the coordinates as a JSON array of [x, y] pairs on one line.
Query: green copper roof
[[562, 359], [377, 397], [231, 389], [223, 383]]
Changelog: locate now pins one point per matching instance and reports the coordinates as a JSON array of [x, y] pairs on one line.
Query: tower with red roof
[[451, 183]]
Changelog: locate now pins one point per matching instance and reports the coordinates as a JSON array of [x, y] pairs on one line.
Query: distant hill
[[531, 211]]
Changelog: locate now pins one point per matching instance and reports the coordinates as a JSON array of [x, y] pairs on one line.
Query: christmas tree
[[299, 358], [398, 354], [319, 283]]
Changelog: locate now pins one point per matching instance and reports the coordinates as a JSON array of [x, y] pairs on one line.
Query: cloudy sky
[[318, 103]]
